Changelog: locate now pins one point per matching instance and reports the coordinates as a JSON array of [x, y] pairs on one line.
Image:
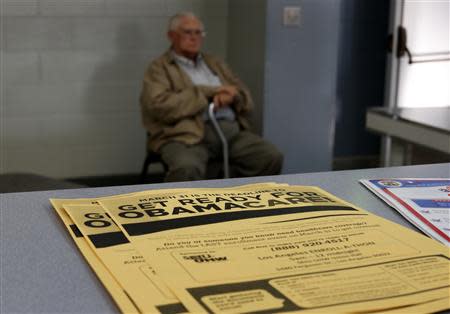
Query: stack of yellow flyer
[[260, 248]]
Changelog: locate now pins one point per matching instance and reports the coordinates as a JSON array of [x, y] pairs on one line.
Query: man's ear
[[171, 36]]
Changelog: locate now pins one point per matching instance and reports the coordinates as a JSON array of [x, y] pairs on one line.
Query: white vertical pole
[[392, 75]]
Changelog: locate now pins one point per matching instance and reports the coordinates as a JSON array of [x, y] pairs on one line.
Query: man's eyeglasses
[[193, 32]]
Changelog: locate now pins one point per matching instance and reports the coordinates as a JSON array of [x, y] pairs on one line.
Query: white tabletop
[[42, 270], [432, 117]]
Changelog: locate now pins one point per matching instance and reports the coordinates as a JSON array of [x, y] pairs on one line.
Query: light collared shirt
[[201, 74]]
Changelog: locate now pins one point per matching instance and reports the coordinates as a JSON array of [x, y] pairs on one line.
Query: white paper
[[424, 202]]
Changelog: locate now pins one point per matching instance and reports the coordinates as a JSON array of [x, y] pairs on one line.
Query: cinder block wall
[[71, 74]]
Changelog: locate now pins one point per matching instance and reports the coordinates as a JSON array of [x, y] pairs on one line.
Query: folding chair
[[153, 157]]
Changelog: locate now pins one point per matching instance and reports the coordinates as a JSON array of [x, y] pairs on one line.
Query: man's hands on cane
[[225, 96]]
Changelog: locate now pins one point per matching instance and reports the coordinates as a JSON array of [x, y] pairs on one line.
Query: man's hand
[[222, 100], [225, 96], [228, 89]]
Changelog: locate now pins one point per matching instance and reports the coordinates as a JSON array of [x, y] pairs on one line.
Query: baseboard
[[356, 162], [115, 180]]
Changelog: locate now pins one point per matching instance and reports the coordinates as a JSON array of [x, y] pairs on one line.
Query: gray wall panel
[[20, 67], [72, 7], [38, 33], [246, 49], [300, 84], [19, 7]]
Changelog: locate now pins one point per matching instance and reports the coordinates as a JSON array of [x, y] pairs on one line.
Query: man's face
[[188, 38]]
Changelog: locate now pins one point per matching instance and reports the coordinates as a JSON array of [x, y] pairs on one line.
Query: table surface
[[42, 270], [434, 117]]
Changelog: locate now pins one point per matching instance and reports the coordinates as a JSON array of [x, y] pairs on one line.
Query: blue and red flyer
[[424, 202]]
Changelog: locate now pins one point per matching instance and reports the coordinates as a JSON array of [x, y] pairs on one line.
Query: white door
[[424, 70]]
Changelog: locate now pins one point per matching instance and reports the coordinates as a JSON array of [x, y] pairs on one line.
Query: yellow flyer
[[105, 275], [281, 249], [128, 266], [427, 307], [122, 300]]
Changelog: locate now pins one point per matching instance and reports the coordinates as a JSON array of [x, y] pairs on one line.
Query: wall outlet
[[292, 16]]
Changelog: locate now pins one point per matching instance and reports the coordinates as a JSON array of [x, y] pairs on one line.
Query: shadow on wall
[[115, 84], [111, 99], [361, 74]]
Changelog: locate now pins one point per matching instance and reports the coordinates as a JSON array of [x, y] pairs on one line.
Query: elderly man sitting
[[177, 89]]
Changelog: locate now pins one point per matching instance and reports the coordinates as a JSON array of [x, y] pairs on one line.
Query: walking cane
[[212, 118]]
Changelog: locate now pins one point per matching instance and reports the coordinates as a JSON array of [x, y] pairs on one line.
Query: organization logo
[[205, 258], [446, 189], [390, 183]]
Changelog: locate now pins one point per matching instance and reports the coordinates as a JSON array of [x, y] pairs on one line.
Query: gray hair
[[174, 21]]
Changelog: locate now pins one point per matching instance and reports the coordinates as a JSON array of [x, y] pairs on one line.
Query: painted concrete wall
[[361, 59], [246, 49], [300, 83], [361, 72], [71, 74]]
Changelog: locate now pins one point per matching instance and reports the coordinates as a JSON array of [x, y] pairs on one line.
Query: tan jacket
[[172, 105]]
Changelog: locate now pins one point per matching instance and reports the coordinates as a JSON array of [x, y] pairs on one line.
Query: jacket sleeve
[[244, 102], [167, 104]]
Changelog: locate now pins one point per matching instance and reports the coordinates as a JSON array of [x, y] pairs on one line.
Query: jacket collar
[[169, 56], [187, 61]]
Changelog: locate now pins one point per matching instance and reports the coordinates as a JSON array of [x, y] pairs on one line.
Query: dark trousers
[[249, 154]]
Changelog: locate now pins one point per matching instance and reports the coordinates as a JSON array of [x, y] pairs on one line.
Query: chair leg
[[151, 158], [144, 170], [165, 167]]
